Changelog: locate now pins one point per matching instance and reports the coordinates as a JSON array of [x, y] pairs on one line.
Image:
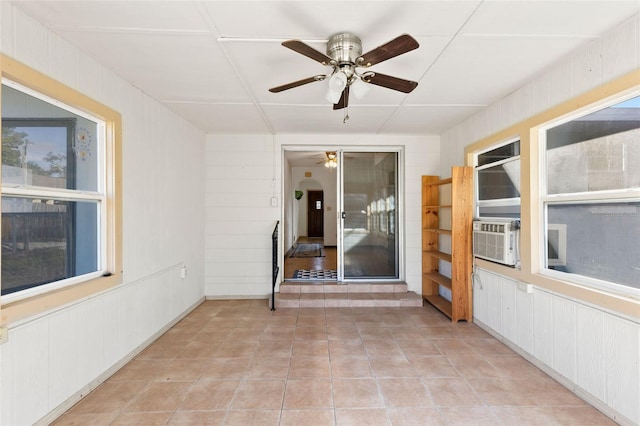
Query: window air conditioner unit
[[496, 240]]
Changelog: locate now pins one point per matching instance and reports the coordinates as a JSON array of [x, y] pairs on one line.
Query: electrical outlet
[[4, 334], [274, 202], [525, 287], [183, 272]]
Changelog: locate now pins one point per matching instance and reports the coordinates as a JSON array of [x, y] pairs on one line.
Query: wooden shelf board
[[439, 231], [439, 255], [439, 278], [440, 182], [441, 303], [441, 206]]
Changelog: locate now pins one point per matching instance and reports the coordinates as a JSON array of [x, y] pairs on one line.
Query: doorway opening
[[346, 217]]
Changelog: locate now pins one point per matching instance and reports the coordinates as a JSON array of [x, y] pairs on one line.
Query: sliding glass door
[[368, 232]]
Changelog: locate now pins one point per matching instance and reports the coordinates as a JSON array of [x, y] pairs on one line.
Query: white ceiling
[[212, 62]]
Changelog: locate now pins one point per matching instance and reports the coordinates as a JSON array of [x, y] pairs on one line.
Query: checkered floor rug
[[316, 274]]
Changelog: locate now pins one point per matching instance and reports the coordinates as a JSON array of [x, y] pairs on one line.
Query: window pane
[[46, 146], [595, 240], [499, 182], [600, 151], [499, 154], [46, 240]]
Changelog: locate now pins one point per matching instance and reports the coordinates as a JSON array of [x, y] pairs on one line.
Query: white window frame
[[499, 202], [99, 197], [590, 197]]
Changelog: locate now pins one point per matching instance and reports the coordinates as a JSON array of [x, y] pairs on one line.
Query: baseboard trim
[[574, 388], [83, 392]]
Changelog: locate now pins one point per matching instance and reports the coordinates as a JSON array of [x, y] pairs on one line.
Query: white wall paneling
[[51, 359], [594, 352], [250, 217]]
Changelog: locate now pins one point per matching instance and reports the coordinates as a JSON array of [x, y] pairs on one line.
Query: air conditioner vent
[[496, 240]]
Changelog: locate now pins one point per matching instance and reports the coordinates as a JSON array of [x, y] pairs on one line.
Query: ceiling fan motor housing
[[344, 48]]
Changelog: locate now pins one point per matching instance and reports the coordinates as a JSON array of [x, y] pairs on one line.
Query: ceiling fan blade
[[308, 51], [344, 99], [399, 45], [394, 83], [297, 83]]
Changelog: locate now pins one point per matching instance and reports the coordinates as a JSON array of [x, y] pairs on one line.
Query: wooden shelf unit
[[460, 211]]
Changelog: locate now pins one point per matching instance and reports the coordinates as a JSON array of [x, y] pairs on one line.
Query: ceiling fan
[[344, 54]]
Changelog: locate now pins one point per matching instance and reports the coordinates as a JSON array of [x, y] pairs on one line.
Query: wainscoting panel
[[591, 351]]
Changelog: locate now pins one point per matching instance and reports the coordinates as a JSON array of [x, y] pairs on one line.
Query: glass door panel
[[369, 194]]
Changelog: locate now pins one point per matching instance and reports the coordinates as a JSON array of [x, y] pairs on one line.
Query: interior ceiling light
[[344, 55], [332, 160]]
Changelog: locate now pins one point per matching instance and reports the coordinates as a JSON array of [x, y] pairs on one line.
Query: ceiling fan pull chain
[[346, 115]]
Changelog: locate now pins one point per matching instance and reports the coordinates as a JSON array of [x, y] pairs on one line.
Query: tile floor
[[238, 363]]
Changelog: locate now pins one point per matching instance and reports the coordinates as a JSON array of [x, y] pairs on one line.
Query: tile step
[[347, 300], [334, 287]]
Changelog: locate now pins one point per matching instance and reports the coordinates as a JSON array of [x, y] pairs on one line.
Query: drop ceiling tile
[[481, 70], [185, 67], [431, 119], [550, 18], [375, 21], [222, 118], [323, 119], [129, 15]]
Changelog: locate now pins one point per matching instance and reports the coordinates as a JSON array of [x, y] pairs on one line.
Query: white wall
[[593, 351], [326, 180], [244, 171], [54, 356]]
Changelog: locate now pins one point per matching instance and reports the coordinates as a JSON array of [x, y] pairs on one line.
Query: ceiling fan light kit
[[344, 55]]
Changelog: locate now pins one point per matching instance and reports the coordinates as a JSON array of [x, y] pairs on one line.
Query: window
[[498, 181], [61, 215], [591, 195]]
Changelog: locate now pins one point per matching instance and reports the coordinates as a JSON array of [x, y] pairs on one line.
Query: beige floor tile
[[308, 394], [360, 417], [259, 395], [109, 397], [226, 368], [356, 393], [580, 416], [199, 350], [311, 333], [350, 367], [418, 347], [414, 416], [307, 417], [274, 348], [404, 393], [164, 350], [278, 333], [147, 419], [252, 418], [454, 347], [93, 419], [268, 368], [158, 396], [391, 366], [246, 333], [474, 366], [210, 395], [489, 346], [376, 333], [452, 392], [433, 366], [307, 367], [343, 332], [310, 348], [139, 370], [546, 391], [502, 392], [193, 418], [465, 416], [236, 349], [347, 348], [180, 370], [514, 367], [382, 348], [525, 416], [315, 321]]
